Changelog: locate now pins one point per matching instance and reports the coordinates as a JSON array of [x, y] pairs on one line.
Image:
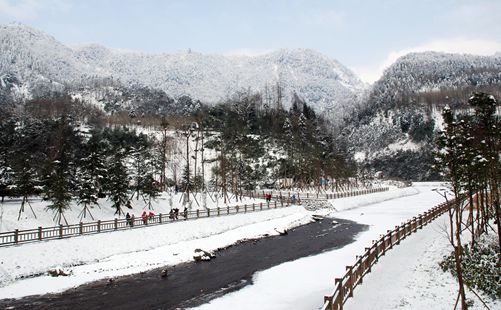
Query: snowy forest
[[62, 149]]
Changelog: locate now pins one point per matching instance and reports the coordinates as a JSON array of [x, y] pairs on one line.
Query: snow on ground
[[301, 284], [349, 203], [407, 277], [410, 278], [112, 254], [9, 210]]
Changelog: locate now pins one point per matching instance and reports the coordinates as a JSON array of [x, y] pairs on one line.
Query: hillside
[[394, 131], [39, 63]]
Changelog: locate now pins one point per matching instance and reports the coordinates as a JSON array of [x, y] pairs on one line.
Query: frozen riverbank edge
[[90, 258]]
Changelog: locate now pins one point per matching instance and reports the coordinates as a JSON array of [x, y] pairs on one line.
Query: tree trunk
[[458, 252]]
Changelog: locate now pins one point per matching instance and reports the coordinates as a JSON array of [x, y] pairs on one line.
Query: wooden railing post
[[198, 213], [99, 226], [369, 260], [328, 298], [80, 228], [60, 230], [339, 284], [360, 264], [116, 223], [16, 236], [160, 218], [350, 280], [397, 232], [228, 210], [40, 233]]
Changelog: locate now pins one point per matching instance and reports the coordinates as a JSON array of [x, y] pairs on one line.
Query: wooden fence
[[312, 196], [281, 199], [354, 274], [64, 231]]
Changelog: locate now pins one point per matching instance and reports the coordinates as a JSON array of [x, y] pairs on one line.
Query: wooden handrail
[[57, 232], [354, 274]]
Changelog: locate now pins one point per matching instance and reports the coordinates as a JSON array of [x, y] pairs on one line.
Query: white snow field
[[300, 284], [407, 277]]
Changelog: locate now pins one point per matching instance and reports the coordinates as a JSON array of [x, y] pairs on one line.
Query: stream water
[[192, 284]]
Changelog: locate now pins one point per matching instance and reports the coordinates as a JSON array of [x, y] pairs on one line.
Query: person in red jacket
[[144, 217]]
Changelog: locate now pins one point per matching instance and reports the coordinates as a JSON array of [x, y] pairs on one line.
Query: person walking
[[127, 220]]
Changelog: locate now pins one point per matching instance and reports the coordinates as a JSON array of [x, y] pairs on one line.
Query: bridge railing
[[312, 195]]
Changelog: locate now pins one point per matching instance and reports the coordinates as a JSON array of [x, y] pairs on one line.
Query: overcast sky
[[364, 35]]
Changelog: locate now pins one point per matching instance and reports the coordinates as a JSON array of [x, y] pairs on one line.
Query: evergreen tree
[[25, 180], [150, 188], [7, 136], [91, 172], [186, 180], [142, 165], [87, 187], [58, 188], [60, 171], [117, 182], [27, 157], [488, 132], [450, 159]]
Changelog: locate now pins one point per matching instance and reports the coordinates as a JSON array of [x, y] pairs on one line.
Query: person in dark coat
[[127, 219]]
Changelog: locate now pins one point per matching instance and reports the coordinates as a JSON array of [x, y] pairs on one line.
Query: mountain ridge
[[37, 58]]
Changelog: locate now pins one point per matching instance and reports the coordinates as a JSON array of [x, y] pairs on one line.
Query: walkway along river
[[192, 284]]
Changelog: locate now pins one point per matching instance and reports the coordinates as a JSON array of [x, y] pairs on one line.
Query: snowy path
[[301, 284], [409, 277]]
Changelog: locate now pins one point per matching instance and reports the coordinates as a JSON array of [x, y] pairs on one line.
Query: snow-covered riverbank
[[300, 283]]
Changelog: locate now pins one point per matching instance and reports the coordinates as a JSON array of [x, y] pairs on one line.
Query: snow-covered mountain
[[39, 61], [429, 77], [395, 129]]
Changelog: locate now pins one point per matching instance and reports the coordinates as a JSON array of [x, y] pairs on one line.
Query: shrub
[[479, 266]]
